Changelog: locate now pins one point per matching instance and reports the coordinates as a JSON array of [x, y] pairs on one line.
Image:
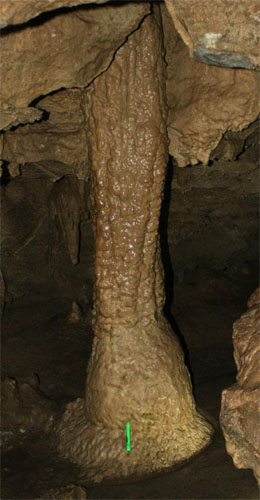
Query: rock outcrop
[[70, 492], [204, 101], [45, 214], [64, 50], [240, 405], [13, 12], [214, 217], [222, 33], [60, 137], [25, 408]]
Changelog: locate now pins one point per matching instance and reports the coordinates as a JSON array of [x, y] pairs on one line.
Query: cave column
[[136, 372], [128, 154]]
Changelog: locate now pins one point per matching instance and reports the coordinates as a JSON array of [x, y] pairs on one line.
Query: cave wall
[[46, 231], [205, 102], [213, 221]]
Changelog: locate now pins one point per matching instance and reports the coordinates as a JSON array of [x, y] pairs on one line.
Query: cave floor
[[38, 339]]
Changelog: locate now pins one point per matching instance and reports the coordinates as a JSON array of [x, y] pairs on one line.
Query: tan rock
[[65, 201], [60, 137], [222, 33], [17, 12], [11, 116], [233, 144], [70, 492], [75, 315], [240, 405], [204, 101], [25, 408], [42, 57]]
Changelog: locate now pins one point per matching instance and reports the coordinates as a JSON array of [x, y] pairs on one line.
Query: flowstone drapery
[[136, 372]]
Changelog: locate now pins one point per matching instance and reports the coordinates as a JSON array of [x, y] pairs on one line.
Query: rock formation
[[13, 13], [51, 46], [60, 137], [70, 492], [204, 101], [223, 33], [240, 411], [136, 372]]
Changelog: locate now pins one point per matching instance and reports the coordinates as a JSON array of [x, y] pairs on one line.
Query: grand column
[[136, 372]]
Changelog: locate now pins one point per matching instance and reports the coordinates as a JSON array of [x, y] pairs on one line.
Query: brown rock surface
[[18, 12], [204, 101], [36, 215], [44, 56], [25, 408], [11, 116], [214, 218], [240, 405], [136, 372], [66, 202], [70, 492], [61, 137], [222, 33]]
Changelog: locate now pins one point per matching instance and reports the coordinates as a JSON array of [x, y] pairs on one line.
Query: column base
[[156, 446]]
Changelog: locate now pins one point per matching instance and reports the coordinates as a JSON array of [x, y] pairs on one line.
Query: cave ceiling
[[42, 56], [13, 12]]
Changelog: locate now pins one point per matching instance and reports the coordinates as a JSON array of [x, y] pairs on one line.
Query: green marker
[[127, 428]]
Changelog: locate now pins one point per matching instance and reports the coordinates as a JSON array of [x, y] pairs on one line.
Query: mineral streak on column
[[128, 437]]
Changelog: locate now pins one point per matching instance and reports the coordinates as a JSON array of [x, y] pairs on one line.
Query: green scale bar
[[127, 428]]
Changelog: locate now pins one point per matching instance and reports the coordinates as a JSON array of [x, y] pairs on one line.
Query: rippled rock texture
[[240, 406], [136, 372]]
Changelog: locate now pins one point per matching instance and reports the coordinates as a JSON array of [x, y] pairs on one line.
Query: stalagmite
[[136, 373], [66, 204]]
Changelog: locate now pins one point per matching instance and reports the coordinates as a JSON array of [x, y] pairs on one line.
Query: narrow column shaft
[[128, 146]]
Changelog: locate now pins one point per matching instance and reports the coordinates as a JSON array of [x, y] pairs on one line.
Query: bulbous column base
[[155, 398], [101, 455]]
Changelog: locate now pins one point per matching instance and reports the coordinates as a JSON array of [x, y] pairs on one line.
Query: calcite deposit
[[204, 101], [222, 33], [136, 373], [240, 405]]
